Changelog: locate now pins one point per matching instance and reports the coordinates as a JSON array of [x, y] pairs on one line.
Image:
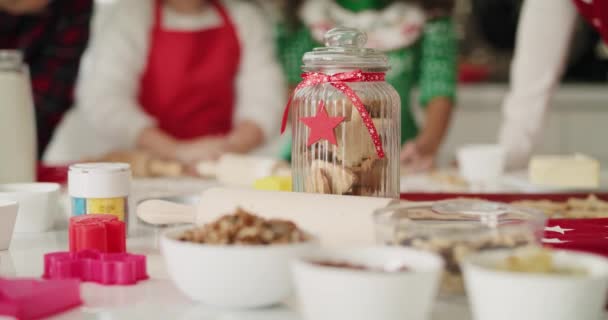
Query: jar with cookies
[[346, 120]]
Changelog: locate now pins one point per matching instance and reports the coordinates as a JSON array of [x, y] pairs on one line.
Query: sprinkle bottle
[[100, 188]]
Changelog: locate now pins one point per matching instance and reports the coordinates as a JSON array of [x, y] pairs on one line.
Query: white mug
[[481, 163], [38, 204], [8, 215]]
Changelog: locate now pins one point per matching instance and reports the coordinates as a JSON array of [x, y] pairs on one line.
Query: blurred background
[[486, 35], [486, 31]]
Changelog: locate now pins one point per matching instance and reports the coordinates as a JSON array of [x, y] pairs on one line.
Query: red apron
[[596, 13], [188, 85]]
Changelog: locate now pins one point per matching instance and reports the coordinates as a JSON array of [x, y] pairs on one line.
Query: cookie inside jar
[[352, 166]]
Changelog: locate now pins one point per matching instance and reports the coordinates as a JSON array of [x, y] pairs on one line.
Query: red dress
[[596, 13], [188, 85]]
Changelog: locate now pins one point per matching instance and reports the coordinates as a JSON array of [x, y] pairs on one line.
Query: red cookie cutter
[[103, 232], [94, 266], [29, 299]]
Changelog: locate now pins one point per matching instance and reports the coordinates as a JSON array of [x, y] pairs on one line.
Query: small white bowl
[[481, 163], [502, 295], [331, 293], [231, 276], [8, 215], [38, 204]]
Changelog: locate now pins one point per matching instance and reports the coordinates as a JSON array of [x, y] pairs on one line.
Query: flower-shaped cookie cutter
[[94, 266], [28, 299]]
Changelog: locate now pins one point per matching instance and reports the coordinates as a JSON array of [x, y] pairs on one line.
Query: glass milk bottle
[[17, 121], [346, 121]]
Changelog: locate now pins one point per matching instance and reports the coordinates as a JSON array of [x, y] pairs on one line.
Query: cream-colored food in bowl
[[388, 283], [528, 285], [231, 275]]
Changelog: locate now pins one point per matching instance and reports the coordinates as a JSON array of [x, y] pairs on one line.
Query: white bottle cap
[[99, 180]]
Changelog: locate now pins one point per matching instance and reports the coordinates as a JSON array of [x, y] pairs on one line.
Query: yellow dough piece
[[276, 183]]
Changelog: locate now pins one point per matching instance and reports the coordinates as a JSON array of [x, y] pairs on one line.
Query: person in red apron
[[545, 31], [208, 83]]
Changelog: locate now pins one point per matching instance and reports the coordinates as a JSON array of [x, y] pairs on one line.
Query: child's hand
[[207, 148], [414, 159]]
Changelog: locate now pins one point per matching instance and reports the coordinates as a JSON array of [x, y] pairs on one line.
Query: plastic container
[[100, 188], [346, 121], [456, 228]]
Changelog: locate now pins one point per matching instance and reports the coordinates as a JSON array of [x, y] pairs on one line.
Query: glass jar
[[456, 228], [346, 121], [17, 120]]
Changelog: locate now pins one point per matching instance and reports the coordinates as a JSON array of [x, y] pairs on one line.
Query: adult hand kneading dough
[[336, 220]]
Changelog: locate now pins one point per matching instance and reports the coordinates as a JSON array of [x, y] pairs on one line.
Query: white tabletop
[[156, 298]]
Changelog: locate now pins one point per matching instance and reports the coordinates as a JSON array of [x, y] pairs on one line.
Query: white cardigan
[[543, 39], [107, 114]]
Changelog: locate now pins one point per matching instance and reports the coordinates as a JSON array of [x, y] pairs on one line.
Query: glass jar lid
[[345, 49], [460, 217]]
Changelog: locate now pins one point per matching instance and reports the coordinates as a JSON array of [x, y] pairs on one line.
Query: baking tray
[[501, 197]]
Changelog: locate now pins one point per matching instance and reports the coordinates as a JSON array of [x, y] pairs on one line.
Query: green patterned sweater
[[430, 63]]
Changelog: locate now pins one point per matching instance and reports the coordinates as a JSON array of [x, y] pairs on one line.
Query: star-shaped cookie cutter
[[94, 266]]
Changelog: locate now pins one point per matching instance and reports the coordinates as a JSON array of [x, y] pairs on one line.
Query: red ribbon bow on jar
[[339, 81]]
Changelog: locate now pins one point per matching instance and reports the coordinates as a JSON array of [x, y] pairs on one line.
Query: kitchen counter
[[156, 298]]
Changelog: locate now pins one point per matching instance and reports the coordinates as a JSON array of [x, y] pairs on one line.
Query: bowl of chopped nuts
[[534, 283], [238, 261], [388, 283]]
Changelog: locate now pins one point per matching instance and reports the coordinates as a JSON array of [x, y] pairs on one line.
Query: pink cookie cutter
[[94, 266], [29, 299]]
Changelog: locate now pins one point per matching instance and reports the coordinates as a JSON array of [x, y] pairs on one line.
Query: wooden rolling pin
[[336, 220]]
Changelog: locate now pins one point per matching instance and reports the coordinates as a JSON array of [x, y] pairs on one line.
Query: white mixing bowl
[[38, 204], [332, 293], [503, 295], [232, 276]]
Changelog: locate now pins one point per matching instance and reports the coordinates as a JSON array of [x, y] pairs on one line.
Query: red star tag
[[322, 126]]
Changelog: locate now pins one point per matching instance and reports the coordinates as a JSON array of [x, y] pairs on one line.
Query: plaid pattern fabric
[[52, 42]]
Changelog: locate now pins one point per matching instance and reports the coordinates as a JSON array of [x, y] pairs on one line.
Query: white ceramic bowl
[[8, 215], [330, 293], [501, 295], [231, 276], [38, 204], [481, 163]]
